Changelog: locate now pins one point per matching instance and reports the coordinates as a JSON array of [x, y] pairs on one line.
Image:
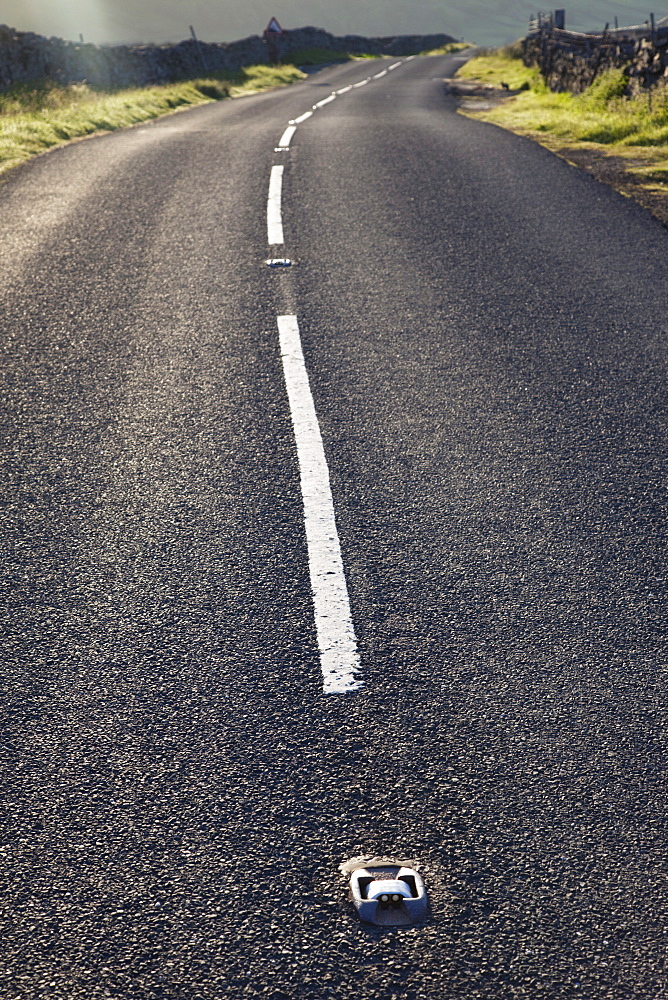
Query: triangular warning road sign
[[274, 26]]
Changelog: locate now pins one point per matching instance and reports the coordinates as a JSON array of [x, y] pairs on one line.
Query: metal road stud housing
[[388, 894]]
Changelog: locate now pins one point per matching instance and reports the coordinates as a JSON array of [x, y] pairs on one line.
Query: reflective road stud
[[387, 894]]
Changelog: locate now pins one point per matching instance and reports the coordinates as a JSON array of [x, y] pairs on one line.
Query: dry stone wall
[[571, 62], [28, 58]]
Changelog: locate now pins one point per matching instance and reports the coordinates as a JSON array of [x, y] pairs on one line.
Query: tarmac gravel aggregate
[[490, 382]]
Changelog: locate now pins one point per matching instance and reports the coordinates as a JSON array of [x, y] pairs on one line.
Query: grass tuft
[[445, 50], [317, 57], [501, 66]]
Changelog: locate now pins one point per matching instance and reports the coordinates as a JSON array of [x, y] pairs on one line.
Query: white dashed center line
[[339, 659], [286, 138], [274, 218], [327, 100]]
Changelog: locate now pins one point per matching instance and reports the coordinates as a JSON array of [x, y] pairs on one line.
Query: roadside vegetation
[[601, 122], [34, 119], [318, 57], [321, 57], [445, 50]]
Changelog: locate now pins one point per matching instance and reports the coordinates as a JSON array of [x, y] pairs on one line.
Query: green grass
[[316, 57], [253, 79], [34, 119], [445, 50], [632, 128], [503, 66], [320, 57], [601, 114]]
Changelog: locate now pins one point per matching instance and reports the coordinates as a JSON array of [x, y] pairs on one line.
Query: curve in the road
[[339, 658]]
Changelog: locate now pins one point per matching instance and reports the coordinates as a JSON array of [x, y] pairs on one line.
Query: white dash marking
[[362, 82], [286, 138], [274, 218], [321, 104], [339, 659], [393, 66], [302, 118], [344, 90], [377, 76]]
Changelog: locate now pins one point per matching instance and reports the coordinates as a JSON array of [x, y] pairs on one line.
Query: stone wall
[[28, 58], [571, 61]]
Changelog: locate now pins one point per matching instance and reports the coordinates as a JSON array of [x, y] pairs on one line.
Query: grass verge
[[322, 57], [623, 141], [34, 119], [317, 57], [445, 50]]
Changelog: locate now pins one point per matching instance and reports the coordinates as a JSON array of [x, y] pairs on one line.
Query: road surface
[[470, 479]]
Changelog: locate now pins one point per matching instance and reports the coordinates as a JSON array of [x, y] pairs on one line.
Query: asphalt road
[[484, 328]]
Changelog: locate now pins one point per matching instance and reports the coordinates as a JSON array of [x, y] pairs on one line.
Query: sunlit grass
[[317, 57], [445, 50], [254, 79], [34, 119], [499, 68], [633, 128]]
